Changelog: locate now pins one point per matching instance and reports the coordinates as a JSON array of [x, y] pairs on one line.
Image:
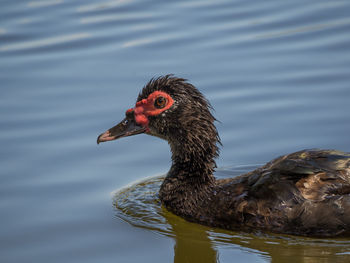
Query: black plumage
[[303, 193]]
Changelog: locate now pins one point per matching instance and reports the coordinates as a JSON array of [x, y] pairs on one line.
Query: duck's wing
[[317, 174], [309, 189]]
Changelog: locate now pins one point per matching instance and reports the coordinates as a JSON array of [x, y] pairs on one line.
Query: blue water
[[276, 72]]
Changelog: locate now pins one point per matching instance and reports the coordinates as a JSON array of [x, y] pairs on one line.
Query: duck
[[306, 193]]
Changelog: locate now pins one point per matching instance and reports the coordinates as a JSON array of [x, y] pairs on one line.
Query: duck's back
[[303, 193]]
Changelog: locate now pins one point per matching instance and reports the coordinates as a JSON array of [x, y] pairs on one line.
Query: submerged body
[[304, 193]]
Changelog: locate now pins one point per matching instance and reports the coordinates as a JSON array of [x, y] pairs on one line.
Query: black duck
[[303, 193]]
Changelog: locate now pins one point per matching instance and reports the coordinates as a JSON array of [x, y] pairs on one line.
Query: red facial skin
[[145, 107]]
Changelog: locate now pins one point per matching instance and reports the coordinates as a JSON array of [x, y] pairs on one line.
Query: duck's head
[[172, 109]]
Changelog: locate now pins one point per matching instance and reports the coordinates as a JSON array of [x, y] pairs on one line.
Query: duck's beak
[[126, 127]]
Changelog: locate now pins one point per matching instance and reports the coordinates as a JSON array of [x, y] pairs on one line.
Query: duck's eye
[[160, 102]]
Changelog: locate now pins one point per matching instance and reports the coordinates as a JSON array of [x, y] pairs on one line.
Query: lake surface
[[276, 72]]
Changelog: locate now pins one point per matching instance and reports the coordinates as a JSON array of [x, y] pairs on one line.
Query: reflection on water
[[45, 42], [101, 5], [139, 205], [44, 3]]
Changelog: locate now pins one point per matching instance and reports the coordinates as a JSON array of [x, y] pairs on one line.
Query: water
[[276, 72], [139, 205]]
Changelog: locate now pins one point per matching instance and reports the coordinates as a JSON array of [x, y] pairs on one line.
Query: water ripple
[[115, 17], [50, 41], [102, 5], [138, 204], [36, 4]]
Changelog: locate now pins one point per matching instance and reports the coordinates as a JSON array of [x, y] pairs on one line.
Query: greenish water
[[138, 204]]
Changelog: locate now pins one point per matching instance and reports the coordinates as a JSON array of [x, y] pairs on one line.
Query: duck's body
[[304, 193]]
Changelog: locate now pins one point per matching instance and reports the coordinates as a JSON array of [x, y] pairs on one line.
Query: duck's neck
[[190, 179], [193, 163]]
